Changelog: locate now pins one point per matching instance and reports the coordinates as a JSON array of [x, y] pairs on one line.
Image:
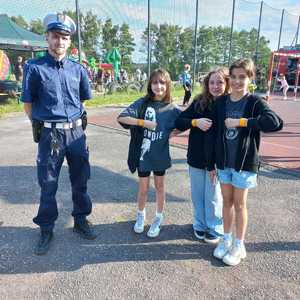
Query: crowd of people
[[225, 122]]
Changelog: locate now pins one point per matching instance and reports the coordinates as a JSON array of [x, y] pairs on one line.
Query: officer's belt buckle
[[66, 125]]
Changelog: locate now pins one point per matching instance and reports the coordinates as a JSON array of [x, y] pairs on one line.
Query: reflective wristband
[[194, 123], [141, 122], [243, 122]]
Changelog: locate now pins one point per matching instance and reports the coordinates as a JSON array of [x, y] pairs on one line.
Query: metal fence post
[[78, 29], [231, 31], [297, 34], [258, 33], [280, 31], [149, 50], [195, 43]]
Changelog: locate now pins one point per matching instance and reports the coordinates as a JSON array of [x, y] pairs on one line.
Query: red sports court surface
[[280, 149]]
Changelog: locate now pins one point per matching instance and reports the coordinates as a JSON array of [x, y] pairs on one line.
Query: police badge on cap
[[60, 23]]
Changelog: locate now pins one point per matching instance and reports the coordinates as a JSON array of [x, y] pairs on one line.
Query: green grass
[[124, 98], [11, 105]]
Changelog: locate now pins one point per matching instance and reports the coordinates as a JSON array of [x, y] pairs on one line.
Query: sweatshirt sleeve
[[264, 118], [184, 120], [131, 111]]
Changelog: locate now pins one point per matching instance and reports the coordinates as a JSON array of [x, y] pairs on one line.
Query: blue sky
[[181, 12]]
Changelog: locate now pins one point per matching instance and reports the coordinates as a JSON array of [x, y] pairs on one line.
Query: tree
[[186, 45], [90, 32], [165, 47], [153, 39], [126, 46], [19, 20], [167, 52], [37, 27], [109, 36], [91, 28]]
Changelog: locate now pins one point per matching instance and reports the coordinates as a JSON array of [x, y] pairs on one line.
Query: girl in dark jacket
[[205, 189], [238, 120]]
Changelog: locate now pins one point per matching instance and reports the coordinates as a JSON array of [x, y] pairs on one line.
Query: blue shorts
[[240, 180]]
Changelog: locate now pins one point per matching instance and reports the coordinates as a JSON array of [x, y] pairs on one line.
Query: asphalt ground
[[120, 264]]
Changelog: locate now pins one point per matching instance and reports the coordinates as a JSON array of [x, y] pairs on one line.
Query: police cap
[[60, 23]]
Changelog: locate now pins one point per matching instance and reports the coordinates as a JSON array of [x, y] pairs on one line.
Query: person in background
[[284, 85], [99, 80], [18, 69], [187, 84], [138, 74]]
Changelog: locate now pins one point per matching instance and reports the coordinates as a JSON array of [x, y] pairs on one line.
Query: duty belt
[[67, 125]]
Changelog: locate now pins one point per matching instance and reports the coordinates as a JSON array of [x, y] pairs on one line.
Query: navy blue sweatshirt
[[260, 119]]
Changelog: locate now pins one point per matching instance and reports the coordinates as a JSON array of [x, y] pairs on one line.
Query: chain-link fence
[[226, 30]]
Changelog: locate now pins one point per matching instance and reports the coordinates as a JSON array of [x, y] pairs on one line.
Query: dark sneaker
[[43, 243], [84, 230], [199, 234], [211, 239], [1, 223]]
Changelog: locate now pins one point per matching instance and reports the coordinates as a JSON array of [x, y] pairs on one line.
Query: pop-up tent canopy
[[14, 37]]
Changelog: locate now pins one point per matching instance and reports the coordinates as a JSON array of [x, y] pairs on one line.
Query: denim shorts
[[240, 180]]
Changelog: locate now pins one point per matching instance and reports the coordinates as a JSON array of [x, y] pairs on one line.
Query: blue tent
[[14, 37]]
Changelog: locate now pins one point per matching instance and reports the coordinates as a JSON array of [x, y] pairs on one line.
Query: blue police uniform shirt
[[56, 89]]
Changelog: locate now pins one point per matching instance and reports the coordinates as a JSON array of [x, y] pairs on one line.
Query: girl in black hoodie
[[238, 120], [205, 189]]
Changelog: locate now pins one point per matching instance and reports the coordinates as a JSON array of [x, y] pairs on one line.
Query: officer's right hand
[[150, 124]]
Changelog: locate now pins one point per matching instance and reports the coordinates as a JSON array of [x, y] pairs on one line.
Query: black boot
[[84, 229], [44, 243]]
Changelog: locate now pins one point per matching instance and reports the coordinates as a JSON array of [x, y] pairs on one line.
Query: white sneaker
[[223, 248], [155, 227], [235, 255], [140, 223]]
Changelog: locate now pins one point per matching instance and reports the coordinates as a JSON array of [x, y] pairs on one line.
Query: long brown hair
[[166, 76], [205, 99]]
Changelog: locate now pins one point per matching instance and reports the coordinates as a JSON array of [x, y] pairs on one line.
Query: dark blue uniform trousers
[[72, 145]]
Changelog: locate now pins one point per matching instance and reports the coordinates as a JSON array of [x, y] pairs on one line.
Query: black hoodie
[[200, 143], [260, 118]]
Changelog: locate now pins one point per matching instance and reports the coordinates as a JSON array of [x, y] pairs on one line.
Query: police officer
[[54, 89]]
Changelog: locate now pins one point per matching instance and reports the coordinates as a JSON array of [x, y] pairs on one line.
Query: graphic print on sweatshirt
[[234, 110], [149, 135], [232, 133]]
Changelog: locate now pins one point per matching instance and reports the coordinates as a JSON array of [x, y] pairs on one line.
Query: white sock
[[159, 215], [239, 243], [227, 236], [142, 211]]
